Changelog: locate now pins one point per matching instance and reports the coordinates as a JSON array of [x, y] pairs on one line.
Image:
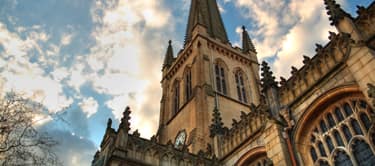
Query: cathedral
[[216, 109]]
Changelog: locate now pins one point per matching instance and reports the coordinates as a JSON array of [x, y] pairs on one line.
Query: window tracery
[[343, 135], [241, 91], [188, 87], [176, 97], [220, 79]]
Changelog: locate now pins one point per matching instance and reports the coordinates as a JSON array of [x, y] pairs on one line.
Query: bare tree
[[20, 142]]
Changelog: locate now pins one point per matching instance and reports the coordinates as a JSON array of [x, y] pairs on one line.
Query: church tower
[[207, 74]]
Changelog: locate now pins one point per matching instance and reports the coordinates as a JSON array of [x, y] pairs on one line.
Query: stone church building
[[217, 110]]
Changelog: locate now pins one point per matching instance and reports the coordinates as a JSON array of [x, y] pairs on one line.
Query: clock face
[[180, 139]]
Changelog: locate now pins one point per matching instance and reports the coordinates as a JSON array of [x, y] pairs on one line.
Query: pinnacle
[[216, 127], [268, 79], [334, 11], [247, 44]]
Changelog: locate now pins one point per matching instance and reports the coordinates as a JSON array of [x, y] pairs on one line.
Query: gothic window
[[356, 127], [329, 144], [365, 120], [176, 97], [346, 132], [336, 142], [363, 153], [338, 138], [321, 149], [188, 87], [342, 159], [339, 115], [348, 111], [241, 92], [220, 79], [331, 121], [313, 154], [323, 126]]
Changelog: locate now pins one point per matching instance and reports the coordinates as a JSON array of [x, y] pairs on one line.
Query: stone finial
[[371, 92], [268, 79], [216, 127], [332, 35], [125, 123], [136, 133], [306, 59], [109, 123], [153, 139], [294, 70], [247, 44], [282, 81], [318, 47], [361, 10], [168, 58], [335, 12]]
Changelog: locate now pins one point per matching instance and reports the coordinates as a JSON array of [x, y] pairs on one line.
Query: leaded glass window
[[363, 153], [334, 144], [357, 129], [188, 87], [329, 144], [241, 91], [365, 120], [313, 154], [176, 97], [331, 121], [220, 79], [342, 159], [339, 115]]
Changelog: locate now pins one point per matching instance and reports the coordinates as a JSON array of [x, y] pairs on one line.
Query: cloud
[[283, 29], [72, 150], [89, 106]]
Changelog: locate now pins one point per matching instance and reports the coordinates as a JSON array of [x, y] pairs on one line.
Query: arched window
[[188, 88], [338, 114], [347, 109], [313, 154], [241, 91], [331, 121], [342, 159], [365, 120], [176, 97], [347, 133], [338, 138], [363, 153], [329, 144], [356, 127], [220, 79], [341, 121]]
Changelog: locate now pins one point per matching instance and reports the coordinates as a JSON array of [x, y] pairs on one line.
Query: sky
[[86, 60]]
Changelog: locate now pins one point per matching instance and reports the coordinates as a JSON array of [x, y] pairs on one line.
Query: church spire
[[168, 59], [247, 44], [206, 13], [334, 11]]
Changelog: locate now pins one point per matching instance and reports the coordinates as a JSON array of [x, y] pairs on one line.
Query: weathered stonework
[[291, 122]]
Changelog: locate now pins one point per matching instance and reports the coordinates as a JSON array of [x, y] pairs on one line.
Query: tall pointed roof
[[168, 58], [334, 11], [247, 44], [206, 13]]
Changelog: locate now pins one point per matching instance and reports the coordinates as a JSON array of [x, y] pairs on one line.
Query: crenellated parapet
[[247, 129], [140, 151], [315, 69]]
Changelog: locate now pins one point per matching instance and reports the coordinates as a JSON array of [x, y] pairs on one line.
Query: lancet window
[[241, 90]]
